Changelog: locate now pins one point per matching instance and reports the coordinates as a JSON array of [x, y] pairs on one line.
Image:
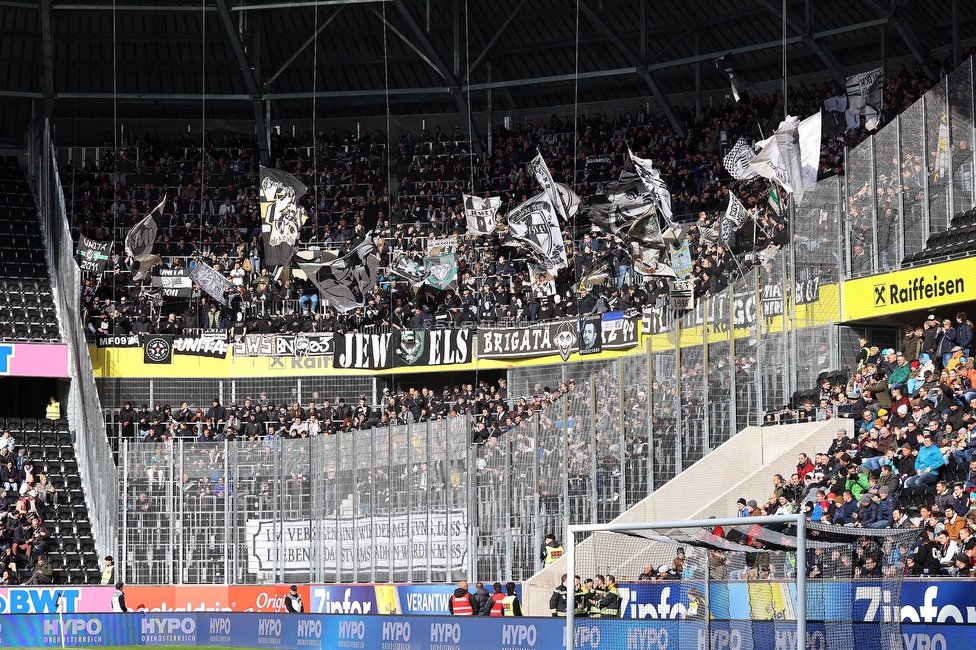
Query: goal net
[[759, 583]]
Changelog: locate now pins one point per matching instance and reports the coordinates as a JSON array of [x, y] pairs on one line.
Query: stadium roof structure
[[266, 59]]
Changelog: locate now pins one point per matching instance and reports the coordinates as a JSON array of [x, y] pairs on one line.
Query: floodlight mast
[[799, 520]]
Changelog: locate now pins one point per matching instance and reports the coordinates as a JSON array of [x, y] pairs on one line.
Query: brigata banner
[[439, 540], [560, 337]]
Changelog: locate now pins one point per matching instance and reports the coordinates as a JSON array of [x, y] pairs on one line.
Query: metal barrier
[[301, 511], [97, 468]]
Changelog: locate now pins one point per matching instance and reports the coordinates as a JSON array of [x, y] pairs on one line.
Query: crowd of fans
[[911, 461], [213, 212], [27, 497], [261, 419]]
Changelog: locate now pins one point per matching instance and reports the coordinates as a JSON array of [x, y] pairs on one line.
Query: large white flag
[[656, 186], [737, 161], [779, 161], [810, 135], [535, 225], [480, 213]]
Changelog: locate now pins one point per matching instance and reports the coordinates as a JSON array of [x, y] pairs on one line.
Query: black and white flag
[[281, 215], [140, 240], [627, 209], [92, 254], [345, 281], [737, 161], [865, 93], [735, 215], [779, 160], [406, 268], [212, 281], [656, 186], [535, 225], [540, 170], [174, 283], [480, 213]]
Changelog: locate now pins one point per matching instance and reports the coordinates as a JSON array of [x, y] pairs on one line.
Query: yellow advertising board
[[935, 285]]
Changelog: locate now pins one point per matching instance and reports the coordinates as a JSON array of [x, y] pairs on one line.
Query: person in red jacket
[[460, 603], [803, 467], [496, 600]]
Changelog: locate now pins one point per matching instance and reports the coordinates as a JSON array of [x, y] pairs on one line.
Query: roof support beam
[[304, 46], [802, 28], [634, 59], [247, 70], [897, 18], [47, 54], [434, 57], [491, 43]]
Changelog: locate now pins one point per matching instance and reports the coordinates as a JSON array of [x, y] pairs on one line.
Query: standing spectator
[[482, 600], [53, 411], [108, 574], [118, 599], [460, 602], [293, 601]]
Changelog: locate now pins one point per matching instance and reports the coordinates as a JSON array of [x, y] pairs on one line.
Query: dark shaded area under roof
[[260, 60]]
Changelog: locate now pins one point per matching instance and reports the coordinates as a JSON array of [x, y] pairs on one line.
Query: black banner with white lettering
[[213, 346], [92, 254], [560, 337], [404, 348]]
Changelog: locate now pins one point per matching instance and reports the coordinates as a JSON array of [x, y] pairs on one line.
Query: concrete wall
[[742, 467]]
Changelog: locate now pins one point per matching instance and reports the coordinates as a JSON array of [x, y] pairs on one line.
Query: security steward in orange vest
[[460, 603]]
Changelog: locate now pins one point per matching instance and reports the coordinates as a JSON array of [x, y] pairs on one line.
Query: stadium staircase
[[28, 314], [742, 467]]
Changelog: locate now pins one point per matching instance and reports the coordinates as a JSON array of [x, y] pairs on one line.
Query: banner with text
[[560, 337], [440, 539]]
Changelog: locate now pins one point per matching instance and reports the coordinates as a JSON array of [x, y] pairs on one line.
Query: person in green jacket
[[857, 482], [901, 371]]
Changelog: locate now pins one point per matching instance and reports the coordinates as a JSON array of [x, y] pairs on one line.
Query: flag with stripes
[[656, 186], [774, 201], [737, 161], [480, 213], [735, 215]]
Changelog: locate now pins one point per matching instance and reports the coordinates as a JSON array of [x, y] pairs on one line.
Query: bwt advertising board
[[300, 631]]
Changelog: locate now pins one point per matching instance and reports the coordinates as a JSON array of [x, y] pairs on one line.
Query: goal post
[[776, 582], [647, 530]]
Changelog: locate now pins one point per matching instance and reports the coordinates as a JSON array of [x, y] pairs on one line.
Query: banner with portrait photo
[[591, 335]]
